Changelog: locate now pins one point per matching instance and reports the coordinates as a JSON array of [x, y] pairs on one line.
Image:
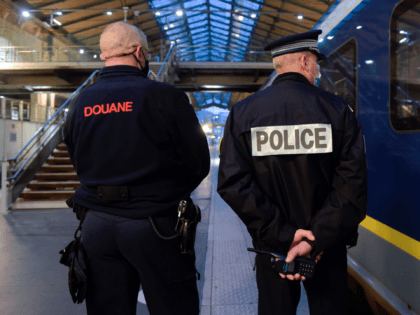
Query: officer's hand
[[302, 249], [299, 235]]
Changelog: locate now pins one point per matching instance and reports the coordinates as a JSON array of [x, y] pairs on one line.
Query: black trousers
[[124, 253], [327, 291]]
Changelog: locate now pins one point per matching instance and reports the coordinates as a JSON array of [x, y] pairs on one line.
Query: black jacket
[[142, 135], [276, 184]]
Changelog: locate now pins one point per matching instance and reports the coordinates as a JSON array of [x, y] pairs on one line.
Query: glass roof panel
[[198, 17], [219, 18], [219, 25], [198, 24], [197, 36], [219, 36], [200, 41], [218, 42], [193, 3], [221, 5], [198, 30], [176, 30], [252, 5], [196, 10], [242, 25], [230, 31], [217, 30], [162, 3]]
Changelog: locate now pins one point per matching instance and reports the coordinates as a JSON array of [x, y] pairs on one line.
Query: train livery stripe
[[402, 241]]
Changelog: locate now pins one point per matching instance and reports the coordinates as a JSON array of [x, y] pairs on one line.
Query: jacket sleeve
[[345, 206], [67, 134], [238, 187], [191, 142]]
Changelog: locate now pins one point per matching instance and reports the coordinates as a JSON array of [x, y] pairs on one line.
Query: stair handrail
[[167, 62], [41, 132]]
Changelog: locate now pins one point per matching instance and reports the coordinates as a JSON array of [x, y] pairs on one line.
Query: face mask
[[317, 79], [146, 69]]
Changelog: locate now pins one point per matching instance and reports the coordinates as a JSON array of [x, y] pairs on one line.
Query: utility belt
[[189, 214], [122, 193]]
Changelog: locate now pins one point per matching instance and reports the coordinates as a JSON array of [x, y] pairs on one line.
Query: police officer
[[139, 150], [292, 166]]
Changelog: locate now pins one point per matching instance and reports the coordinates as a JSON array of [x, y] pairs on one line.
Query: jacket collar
[[120, 70], [290, 76]]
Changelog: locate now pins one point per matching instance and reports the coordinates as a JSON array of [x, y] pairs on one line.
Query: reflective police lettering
[[297, 139], [108, 108], [262, 138]]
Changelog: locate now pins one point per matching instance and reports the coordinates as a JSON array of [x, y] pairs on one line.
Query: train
[[373, 63]]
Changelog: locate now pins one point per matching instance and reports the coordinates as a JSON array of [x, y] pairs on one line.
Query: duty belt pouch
[[74, 256], [189, 215]]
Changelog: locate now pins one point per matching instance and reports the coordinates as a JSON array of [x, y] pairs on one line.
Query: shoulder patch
[[294, 139]]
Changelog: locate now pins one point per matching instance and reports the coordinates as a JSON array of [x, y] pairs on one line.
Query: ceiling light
[[81, 51], [178, 39], [109, 13], [179, 13], [253, 15], [237, 35], [359, 27], [171, 25], [172, 42], [165, 28], [403, 40], [59, 13], [369, 62], [330, 37], [95, 56], [26, 14], [157, 13], [46, 24], [57, 22], [240, 18], [300, 17], [320, 40]]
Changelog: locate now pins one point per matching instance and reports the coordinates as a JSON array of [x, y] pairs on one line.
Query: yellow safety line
[[402, 241]]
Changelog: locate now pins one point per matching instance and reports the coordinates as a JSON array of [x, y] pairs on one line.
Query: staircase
[[52, 185]]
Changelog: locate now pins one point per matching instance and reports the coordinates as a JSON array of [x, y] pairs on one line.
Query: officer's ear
[[304, 61]]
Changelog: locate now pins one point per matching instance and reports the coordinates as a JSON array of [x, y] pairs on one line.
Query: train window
[[404, 109], [339, 73]]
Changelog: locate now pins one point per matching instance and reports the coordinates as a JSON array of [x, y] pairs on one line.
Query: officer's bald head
[[120, 39]]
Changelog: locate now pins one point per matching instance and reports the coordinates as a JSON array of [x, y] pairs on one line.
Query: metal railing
[[166, 72], [223, 53], [22, 168], [55, 54]]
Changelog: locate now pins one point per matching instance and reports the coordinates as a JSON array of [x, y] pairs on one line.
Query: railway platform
[[32, 282]]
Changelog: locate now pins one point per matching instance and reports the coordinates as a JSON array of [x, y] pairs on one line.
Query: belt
[[115, 193]]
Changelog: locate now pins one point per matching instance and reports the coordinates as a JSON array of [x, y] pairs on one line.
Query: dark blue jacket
[[282, 170], [142, 135]]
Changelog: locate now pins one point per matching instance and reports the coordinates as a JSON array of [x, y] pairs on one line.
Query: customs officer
[[138, 150], [293, 168]]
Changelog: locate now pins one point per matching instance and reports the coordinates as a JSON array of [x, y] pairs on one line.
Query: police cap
[[294, 43]]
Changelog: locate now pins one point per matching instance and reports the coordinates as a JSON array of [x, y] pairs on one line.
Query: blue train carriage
[[373, 63]]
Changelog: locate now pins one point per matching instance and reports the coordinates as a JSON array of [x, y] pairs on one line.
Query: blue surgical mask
[[317, 79]]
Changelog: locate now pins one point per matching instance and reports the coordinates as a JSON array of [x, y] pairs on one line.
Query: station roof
[[204, 30]]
